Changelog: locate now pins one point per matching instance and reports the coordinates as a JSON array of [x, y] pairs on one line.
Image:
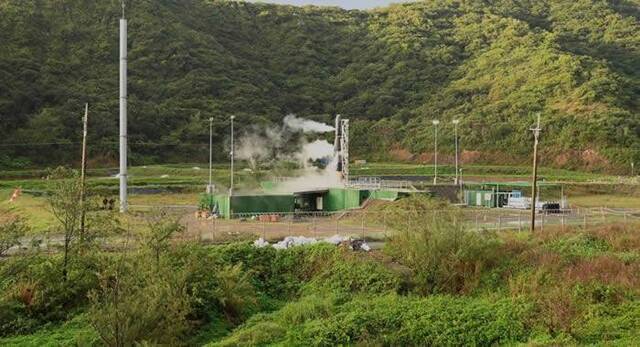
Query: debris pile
[[336, 240]]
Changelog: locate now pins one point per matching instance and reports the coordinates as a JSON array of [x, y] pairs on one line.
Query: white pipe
[[123, 115], [232, 157], [209, 189]]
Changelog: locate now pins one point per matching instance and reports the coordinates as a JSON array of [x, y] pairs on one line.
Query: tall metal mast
[[435, 152], [123, 112], [455, 134], [232, 153]]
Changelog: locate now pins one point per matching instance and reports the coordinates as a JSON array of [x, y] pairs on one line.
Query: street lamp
[[232, 154], [210, 186], [455, 132], [435, 157]]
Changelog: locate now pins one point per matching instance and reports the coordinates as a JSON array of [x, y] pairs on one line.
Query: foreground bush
[[444, 255], [388, 320]]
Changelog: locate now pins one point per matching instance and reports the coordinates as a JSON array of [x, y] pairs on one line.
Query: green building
[[321, 200], [498, 194]]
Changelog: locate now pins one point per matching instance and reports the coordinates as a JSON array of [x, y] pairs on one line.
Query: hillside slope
[[492, 64]]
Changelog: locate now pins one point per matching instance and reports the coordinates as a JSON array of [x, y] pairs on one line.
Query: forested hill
[[491, 63]]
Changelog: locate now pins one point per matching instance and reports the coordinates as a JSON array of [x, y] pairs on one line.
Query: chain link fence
[[372, 226], [376, 225]]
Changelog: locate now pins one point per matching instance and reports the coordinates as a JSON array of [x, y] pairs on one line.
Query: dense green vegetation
[[434, 283], [491, 63], [322, 295]]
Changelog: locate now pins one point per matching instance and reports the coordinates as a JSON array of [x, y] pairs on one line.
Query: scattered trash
[[291, 241], [196, 168], [359, 245], [164, 176], [336, 240], [260, 243]]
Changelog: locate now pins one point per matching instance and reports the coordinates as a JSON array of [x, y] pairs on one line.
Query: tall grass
[[445, 256]]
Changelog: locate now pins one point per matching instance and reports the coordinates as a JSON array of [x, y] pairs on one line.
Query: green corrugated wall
[[262, 203], [338, 199], [471, 197], [220, 202], [384, 195]]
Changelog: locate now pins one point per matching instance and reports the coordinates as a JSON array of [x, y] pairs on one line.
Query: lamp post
[[455, 132], [209, 187], [435, 157], [232, 154]]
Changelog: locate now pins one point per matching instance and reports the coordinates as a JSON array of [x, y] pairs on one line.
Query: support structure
[[341, 149], [534, 183], [123, 113], [344, 146]]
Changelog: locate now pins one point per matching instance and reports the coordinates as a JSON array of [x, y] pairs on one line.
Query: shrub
[[348, 274], [445, 256], [234, 292], [620, 237], [610, 324], [10, 234], [75, 332], [136, 304], [578, 245], [258, 334], [35, 292], [308, 308], [606, 270]]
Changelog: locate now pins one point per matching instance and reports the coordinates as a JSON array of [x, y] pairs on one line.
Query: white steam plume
[[306, 125], [275, 143], [253, 148], [318, 149]]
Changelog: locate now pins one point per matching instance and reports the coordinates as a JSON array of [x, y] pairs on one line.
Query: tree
[[161, 227], [10, 234], [64, 201]]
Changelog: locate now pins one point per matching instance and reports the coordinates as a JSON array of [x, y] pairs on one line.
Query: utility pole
[[232, 156], [83, 170], [536, 136], [633, 169], [210, 186], [435, 157], [455, 132]]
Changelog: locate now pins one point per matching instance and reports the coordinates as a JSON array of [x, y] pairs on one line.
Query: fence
[[374, 226], [371, 225]]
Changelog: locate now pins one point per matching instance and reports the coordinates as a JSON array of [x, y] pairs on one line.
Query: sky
[[347, 4]]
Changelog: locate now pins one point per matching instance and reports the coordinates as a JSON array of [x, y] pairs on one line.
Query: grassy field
[[34, 210], [193, 176], [606, 200]]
